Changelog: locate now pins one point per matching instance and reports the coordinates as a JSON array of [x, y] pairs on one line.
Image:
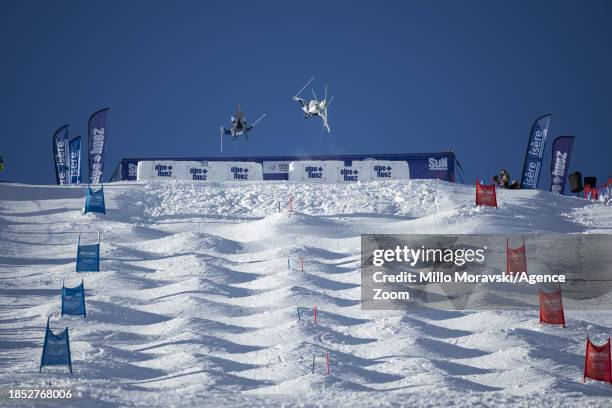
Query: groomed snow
[[194, 304]]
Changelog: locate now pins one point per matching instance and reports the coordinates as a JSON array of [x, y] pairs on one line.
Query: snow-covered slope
[[195, 305]]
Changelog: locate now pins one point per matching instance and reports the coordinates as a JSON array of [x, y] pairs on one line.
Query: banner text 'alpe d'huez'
[[98, 135], [559, 165]]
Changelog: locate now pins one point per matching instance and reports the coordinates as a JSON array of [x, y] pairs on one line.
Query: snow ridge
[[195, 303]]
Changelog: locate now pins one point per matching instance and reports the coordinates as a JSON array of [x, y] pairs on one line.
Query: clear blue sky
[[408, 76]]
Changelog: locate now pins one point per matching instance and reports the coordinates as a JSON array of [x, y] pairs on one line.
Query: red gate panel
[[485, 195], [597, 362]]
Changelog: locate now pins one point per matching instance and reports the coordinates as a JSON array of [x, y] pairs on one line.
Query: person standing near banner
[[1, 163], [503, 180]]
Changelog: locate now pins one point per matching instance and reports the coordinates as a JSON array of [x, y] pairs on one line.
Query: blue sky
[[408, 76]]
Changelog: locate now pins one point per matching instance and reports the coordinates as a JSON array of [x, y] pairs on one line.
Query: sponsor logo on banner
[[214, 171], [61, 160], [239, 173], [383, 171], [558, 170], [132, 170], [198, 173], [275, 167], [562, 148], [536, 147], [74, 167], [535, 152], [163, 170], [438, 164], [60, 152], [533, 169], [96, 151], [98, 134], [75, 160], [404, 166], [349, 174], [314, 172]]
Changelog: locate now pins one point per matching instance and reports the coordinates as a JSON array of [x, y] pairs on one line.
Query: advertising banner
[[75, 160], [98, 136], [198, 171], [389, 170], [275, 169], [369, 170], [60, 153], [437, 166], [559, 165], [357, 171], [314, 171], [535, 153]]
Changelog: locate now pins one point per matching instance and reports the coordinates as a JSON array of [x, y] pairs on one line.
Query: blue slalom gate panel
[[73, 300], [56, 349], [94, 201], [88, 257]]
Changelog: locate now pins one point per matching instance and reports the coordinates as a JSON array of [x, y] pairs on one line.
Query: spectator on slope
[[503, 180]]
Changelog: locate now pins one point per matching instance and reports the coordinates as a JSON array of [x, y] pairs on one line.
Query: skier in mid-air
[[314, 107], [239, 125]]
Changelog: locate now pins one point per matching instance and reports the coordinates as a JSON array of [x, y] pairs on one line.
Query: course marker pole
[[327, 362], [315, 314], [585, 358]]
